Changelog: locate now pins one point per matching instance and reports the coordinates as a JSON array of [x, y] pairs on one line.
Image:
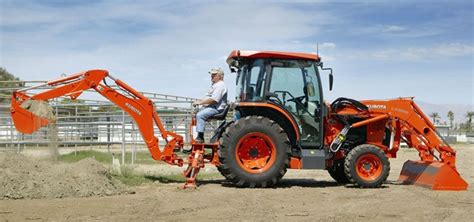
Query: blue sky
[[378, 49]]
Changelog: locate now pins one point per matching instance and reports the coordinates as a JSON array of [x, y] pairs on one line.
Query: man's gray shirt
[[218, 93]]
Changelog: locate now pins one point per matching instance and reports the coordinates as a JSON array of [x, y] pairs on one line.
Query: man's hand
[[197, 102]]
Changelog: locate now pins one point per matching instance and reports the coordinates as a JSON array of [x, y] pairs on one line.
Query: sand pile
[[21, 177]]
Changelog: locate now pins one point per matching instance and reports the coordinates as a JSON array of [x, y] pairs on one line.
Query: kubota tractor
[[281, 121]]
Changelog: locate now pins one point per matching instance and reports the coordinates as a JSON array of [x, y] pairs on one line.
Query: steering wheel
[[275, 99], [298, 99]]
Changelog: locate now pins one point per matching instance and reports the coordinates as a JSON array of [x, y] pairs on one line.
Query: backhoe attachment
[[30, 113]]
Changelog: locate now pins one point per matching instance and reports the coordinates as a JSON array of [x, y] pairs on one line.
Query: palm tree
[[469, 116], [435, 116], [451, 118]]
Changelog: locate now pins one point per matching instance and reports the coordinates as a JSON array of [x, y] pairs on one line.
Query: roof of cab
[[271, 54]]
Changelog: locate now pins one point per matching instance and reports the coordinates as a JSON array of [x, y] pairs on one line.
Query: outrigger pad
[[433, 175]]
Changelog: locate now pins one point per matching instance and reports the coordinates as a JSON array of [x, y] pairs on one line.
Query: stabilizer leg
[[195, 163]]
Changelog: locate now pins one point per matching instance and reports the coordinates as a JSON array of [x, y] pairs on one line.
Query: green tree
[[451, 118], [6, 83], [469, 116], [434, 116]]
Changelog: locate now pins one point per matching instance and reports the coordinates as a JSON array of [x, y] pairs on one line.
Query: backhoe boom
[[139, 107]]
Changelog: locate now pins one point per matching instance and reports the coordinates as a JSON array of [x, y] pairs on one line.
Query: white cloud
[[168, 46], [328, 45], [392, 28], [417, 31], [417, 53], [174, 52]]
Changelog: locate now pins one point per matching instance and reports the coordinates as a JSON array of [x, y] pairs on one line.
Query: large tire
[[367, 166], [254, 152], [336, 171]]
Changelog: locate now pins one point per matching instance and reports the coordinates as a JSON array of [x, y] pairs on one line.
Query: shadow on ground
[[284, 183]]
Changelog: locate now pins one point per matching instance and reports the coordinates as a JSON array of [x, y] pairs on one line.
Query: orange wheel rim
[[369, 167], [255, 152]]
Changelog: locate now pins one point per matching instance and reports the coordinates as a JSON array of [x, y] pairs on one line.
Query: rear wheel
[[254, 152], [367, 166], [336, 171]]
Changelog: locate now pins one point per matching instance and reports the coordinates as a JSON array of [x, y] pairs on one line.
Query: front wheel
[[336, 171], [254, 152], [367, 166]]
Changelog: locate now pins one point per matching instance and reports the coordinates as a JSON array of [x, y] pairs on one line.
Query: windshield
[[296, 79], [289, 78]]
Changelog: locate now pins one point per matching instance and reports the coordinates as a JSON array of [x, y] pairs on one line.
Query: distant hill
[[459, 110]]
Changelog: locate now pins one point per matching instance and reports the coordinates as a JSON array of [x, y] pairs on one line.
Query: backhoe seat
[[221, 115]]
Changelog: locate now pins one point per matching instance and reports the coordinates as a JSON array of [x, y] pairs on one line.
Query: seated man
[[214, 102]]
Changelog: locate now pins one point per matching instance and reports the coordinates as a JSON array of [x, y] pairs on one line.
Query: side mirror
[[331, 80]]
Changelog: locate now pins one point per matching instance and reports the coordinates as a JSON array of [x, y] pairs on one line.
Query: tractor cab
[[285, 87]]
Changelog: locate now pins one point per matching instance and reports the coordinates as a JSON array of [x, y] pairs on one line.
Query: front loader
[[281, 122]]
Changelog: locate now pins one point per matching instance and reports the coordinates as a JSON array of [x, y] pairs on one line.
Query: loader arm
[[139, 107], [407, 122], [411, 125]]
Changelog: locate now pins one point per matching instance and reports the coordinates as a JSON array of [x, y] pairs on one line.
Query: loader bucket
[[432, 174], [26, 121]]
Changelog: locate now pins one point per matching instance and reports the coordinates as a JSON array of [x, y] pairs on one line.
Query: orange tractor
[[281, 122]]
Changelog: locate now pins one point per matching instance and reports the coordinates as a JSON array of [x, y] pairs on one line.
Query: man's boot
[[199, 138]]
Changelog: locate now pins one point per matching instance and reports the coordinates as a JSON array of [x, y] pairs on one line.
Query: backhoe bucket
[[26, 121], [433, 175]]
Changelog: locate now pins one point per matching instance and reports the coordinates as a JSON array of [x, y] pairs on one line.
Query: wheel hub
[[256, 152], [253, 152], [369, 166]]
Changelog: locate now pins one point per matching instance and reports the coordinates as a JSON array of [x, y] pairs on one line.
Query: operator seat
[[221, 115]]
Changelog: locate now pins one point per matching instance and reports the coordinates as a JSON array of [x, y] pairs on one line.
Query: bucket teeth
[[433, 175]]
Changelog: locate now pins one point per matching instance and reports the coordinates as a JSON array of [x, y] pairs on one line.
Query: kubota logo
[[133, 109], [377, 106]]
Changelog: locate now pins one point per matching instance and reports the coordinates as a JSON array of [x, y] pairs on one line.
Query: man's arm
[[217, 92], [205, 101]]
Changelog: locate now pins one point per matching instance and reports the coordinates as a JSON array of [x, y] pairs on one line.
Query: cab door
[[296, 86]]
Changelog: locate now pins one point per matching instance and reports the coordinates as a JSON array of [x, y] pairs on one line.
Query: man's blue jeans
[[203, 115]]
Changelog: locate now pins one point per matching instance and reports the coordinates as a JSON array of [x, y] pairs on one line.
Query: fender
[[287, 116]]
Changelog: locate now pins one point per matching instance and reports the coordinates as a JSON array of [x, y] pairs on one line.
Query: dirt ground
[[303, 195], [24, 178]]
